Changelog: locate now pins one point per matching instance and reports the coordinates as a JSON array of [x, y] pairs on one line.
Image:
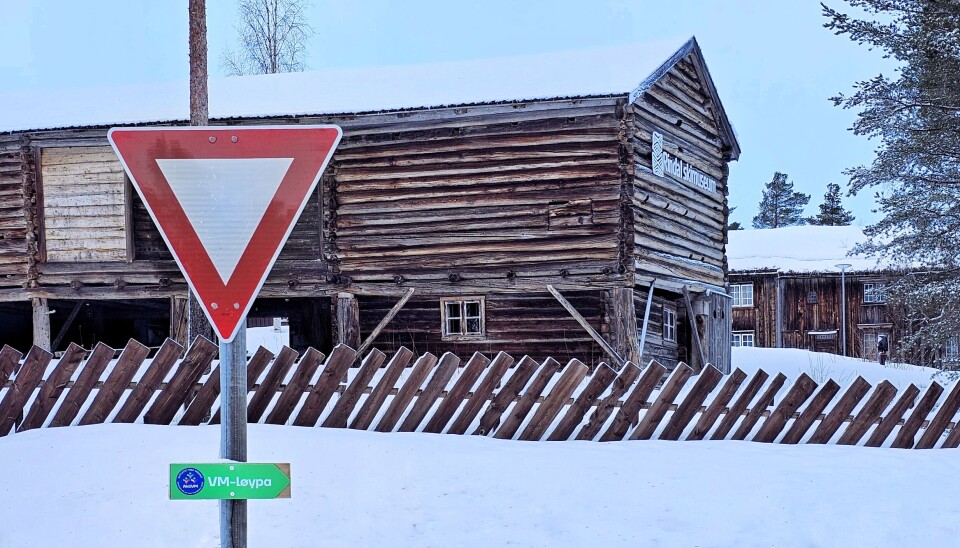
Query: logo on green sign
[[236, 480]]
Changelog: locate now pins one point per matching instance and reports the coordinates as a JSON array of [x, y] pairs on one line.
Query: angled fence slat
[[431, 391], [51, 388], [831, 423], [628, 375], [514, 418], [291, 394], [739, 406], [165, 358], [801, 390], [760, 407], [629, 412], [371, 406], [941, 420], [707, 380], [180, 388], [573, 375], [599, 381], [451, 402], [658, 409], [498, 405], [348, 400], [9, 360], [710, 416], [812, 412], [335, 368], [475, 402], [875, 406], [888, 423], [90, 373], [407, 392], [908, 432], [117, 382], [26, 381], [263, 394], [201, 406]]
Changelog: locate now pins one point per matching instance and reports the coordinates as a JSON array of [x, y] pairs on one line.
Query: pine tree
[[781, 206], [832, 212], [913, 114]]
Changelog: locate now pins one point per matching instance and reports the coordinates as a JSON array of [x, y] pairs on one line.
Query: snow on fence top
[[799, 249], [592, 72]]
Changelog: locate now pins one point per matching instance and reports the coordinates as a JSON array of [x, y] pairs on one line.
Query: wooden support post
[[347, 318], [586, 326], [365, 345], [178, 320], [694, 333], [41, 324], [623, 324], [646, 319]]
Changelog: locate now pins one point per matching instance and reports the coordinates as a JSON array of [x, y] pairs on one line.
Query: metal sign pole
[[233, 431]]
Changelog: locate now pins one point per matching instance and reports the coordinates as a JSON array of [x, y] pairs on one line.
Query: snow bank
[[107, 486]]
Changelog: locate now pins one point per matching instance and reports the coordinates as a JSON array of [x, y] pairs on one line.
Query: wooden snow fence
[[493, 396]]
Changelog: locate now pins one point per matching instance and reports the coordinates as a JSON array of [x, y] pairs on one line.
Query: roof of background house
[[619, 70], [801, 249]]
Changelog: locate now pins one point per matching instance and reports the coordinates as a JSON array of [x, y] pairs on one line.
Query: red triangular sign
[[225, 200]]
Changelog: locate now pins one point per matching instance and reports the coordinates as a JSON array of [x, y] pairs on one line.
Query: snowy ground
[[107, 486]]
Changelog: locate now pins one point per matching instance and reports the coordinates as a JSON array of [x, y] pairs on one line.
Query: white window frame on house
[[669, 324], [740, 338], [873, 293], [951, 349], [462, 318], [738, 296]]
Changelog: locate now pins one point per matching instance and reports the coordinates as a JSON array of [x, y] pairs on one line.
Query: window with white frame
[[669, 324], [742, 295], [462, 317], [743, 338], [951, 349], [873, 293]]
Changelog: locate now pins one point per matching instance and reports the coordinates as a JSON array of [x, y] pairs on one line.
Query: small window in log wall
[[570, 213], [669, 324], [742, 295], [873, 293], [463, 318], [85, 205], [743, 338]]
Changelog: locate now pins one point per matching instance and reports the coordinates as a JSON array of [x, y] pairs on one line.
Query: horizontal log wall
[[17, 239], [680, 229], [656, 347], [534, 324]]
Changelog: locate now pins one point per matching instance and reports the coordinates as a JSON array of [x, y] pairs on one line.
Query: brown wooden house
[[535, 220], [790, 290]]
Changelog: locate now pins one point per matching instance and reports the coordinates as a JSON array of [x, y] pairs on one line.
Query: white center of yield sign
[[225, 199]]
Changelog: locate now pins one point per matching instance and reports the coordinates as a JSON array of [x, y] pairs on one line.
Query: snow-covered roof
[[618, 70], [799, 249]]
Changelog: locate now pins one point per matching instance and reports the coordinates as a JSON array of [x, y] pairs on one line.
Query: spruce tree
[[913, 115], [832, 212], [781, 205]]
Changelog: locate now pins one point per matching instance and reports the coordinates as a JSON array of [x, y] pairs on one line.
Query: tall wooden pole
[[233, 370], [197, 324]]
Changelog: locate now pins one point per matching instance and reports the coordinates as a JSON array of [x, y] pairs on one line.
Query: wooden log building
[[797, 297], [534, 220]]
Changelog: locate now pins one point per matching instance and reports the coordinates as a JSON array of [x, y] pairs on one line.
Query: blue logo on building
[[189, 481]]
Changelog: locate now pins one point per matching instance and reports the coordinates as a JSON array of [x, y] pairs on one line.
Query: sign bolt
[[213, 139], [236, 306], [213, 306], [234, 139]]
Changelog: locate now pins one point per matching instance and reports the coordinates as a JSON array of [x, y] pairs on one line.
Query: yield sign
[[225, 200]]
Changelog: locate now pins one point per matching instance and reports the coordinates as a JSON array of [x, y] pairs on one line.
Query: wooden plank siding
[[17, 239]]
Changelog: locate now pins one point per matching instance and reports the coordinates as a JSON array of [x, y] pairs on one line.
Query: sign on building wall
[[666, 164]]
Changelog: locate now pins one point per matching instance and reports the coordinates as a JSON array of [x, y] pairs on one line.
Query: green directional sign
[[229, 480]]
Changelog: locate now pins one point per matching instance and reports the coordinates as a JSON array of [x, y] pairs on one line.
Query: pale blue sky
[[774, 64]]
